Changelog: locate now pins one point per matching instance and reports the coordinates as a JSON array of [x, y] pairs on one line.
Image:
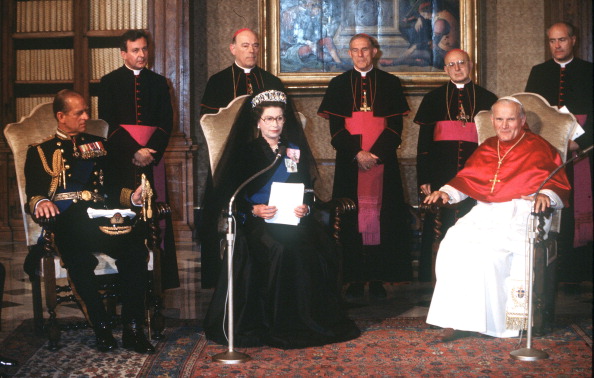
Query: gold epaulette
[[126, 197], [50, 137]]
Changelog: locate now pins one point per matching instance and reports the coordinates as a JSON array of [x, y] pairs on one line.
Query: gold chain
[[495, 180], [505, 154], [473, 105], [370, 90]]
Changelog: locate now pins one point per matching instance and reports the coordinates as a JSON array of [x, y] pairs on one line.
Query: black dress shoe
[[376, 290], [7, 361], [355, 290], [105, 340], [133, 338]]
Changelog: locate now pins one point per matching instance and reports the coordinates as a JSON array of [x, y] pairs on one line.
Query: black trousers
[[78, 237]]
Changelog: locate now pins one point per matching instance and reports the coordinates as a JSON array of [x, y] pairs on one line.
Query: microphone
[[282, 150], [230, 248]]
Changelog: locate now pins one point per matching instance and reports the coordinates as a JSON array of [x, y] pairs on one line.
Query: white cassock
[[481, 267]]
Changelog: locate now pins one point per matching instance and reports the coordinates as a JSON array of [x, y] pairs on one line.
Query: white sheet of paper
[[286, 197], [579, 130]]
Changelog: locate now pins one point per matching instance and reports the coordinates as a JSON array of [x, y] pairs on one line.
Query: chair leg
[[52, 328], [2, 280], [37, 305]]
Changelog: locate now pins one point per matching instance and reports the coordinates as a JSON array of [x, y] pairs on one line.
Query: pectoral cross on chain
[[364, 107], [250, 90], [495, 181], [463, 117]]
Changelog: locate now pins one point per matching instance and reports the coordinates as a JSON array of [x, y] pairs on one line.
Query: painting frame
[[314, 82]]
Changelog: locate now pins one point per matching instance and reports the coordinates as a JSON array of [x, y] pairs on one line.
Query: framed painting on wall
[[305, 42]]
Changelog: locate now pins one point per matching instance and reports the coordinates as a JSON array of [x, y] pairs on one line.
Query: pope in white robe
[[481, 262]]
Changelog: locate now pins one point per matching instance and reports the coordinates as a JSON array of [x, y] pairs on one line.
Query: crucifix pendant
[[495, 181], [364, 107], [462, 116]]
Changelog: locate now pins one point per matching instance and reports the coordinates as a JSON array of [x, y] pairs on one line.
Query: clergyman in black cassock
[[365, 107], [136, 104], [447, 138], [566, 80]]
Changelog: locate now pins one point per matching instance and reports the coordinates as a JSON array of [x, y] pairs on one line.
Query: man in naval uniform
[[365, 107], [67, 178], [566, 81], [447, 138], [136, 104]]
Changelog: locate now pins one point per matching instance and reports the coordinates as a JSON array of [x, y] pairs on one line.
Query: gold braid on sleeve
[[32, 202], [125, 197], [58, 173]]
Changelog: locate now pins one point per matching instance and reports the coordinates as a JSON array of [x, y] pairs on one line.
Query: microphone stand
[[529, 353], [231, 356]]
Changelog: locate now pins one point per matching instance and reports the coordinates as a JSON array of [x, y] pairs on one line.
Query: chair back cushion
[[36, 127], [216, 129], [543, 119]]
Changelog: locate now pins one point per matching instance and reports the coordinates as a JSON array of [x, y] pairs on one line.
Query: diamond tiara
[[269, 96]]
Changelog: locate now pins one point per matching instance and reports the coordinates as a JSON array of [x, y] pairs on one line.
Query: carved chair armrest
[[540, 228], [334, 210], [46, 223], [162, 210]]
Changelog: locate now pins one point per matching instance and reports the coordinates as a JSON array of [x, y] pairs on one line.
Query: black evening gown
[[285, 277]]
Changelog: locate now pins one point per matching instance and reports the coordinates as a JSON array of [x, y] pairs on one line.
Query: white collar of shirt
[[459, 85], [136, 72], [564, 63], [363, 73], [245, 70]]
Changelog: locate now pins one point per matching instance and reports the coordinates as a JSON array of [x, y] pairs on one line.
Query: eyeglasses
[[452, 64], [270, 120]]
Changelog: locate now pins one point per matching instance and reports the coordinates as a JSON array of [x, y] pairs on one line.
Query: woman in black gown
[[285, 276]]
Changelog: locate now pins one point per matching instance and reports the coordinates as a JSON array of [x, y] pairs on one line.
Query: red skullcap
[[239, 31]]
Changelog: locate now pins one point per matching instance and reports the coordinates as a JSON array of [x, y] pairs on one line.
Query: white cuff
[[556, 202], [38, 202], [455, 195]]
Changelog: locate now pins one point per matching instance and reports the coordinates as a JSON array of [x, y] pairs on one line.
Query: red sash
[[582, 198], [141, 134], [369, 183], [455, 130]]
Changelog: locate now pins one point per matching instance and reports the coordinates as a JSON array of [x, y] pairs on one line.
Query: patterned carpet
[[388, 347]]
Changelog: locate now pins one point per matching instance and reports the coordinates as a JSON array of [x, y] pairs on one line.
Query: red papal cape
[[522, 171]]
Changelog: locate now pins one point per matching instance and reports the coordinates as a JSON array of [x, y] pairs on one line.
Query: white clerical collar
[[564, 63], [136, 72], [245, 70], [361, 72], [460, 85]]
